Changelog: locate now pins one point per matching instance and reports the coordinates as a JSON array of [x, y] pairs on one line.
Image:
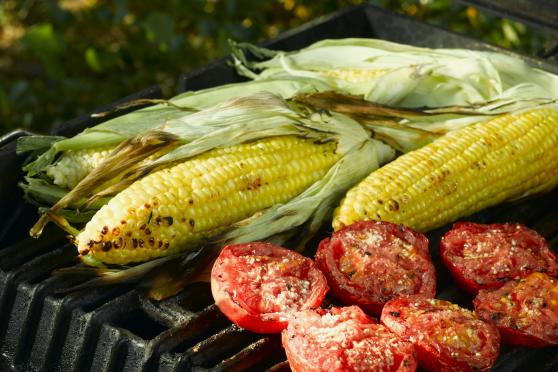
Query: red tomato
[[487, 256], [446, 336], [259, 285], [524, 310], [369, 263], [344, 339]]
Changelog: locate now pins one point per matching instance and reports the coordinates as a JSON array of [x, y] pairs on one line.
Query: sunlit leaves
[[61, 58]]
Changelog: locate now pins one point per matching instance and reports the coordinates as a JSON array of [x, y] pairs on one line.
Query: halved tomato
[[525, 310], [368, 263], [486, 256], [259, 285], [446, 336], [344, 339]]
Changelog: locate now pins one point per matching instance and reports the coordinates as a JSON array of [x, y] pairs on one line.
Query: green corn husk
[[406, 76]]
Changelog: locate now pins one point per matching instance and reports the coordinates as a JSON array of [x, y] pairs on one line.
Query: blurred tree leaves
[[159, 29], [92, 59], [47, 46], [61, 58]]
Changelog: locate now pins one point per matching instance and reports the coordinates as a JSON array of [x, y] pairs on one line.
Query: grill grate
[[117, 329]]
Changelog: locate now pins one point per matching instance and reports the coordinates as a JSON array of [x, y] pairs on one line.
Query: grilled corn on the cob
[[460, 173], [173, 209], [403, 75]]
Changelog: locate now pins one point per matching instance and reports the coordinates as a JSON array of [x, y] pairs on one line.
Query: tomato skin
[[258, 286], [486, 256], [344, 339], [525, 310], [380, 253], [446, 337]]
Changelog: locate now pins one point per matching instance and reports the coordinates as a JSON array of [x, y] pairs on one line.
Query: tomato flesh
[[259, 285], [447, 337], [369, 263], [344, 339], [486, 256], [525, 310]]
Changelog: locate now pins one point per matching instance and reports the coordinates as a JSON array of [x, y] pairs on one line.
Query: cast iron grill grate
[[116, 329]]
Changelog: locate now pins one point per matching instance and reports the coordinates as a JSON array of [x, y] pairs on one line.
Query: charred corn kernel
[[355, 75], [74, 165], [173, 209], [460, 173]]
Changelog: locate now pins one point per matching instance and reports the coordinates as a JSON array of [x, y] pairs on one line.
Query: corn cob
[[76, 164], [465, 171], [175, 208]]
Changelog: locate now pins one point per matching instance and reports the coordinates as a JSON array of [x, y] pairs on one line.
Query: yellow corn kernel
[[460, 173], [173, 209]]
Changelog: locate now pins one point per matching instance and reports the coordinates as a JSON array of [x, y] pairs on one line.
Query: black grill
[[117, 329]]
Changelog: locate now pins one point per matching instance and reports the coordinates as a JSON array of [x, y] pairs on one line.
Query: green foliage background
[[61, 58]]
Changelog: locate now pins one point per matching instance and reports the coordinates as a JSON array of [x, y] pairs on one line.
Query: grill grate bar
[[260, 355], [220, 346], [200, 327], [84, 331]]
